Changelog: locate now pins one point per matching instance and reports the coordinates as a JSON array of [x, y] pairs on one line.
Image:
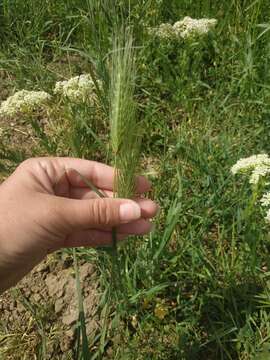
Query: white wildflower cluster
[[189, 27], [259, 172], [265, 200], [184, 29], [78, 89], [163, 32], [24, 102], [267, 217], [259, 165]]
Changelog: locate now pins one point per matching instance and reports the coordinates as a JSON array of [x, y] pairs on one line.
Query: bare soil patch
[[40, 314]]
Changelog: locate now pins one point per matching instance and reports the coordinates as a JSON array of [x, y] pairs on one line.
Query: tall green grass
[[204, 106]]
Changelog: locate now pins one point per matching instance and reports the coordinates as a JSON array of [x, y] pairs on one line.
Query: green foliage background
[[203, 105]]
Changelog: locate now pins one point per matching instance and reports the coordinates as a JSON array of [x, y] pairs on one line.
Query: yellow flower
[[160, 311]]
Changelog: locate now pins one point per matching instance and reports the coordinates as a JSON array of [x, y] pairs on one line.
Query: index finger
[[101, 175]]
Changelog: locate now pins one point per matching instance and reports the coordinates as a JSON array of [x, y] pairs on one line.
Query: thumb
[[85, 214]]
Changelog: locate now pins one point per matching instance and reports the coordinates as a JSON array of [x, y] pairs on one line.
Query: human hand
[[46, 206]]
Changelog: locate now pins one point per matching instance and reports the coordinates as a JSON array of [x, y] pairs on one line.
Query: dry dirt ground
[[40, 315]]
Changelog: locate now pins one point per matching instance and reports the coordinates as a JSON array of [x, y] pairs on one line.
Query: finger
[[91, 238], [67, 171], [148, 207], [138, 227], [142, 184], [99, 174], [86, 193], [69, 214], [106, 183]]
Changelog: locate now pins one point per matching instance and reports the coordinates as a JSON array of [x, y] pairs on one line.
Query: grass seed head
[[125, 139]]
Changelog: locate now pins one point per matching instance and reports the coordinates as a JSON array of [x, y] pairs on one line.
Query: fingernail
[[129, 212]]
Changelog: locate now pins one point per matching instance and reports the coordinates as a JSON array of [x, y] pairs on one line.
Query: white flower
[[24, 102], [259, 165], [250, 163], [183, 29], [265, 200], [189, 27], [164, 31], [78, 89], [267, 217], [258, 172]]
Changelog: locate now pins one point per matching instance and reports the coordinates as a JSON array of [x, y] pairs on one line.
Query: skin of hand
[[46, 206]]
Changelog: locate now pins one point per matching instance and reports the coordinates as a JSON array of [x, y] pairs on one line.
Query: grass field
[[198, 287]]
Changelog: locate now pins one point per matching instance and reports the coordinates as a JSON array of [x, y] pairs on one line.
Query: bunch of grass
[[124, 130], [125, 133], [125, 148]]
